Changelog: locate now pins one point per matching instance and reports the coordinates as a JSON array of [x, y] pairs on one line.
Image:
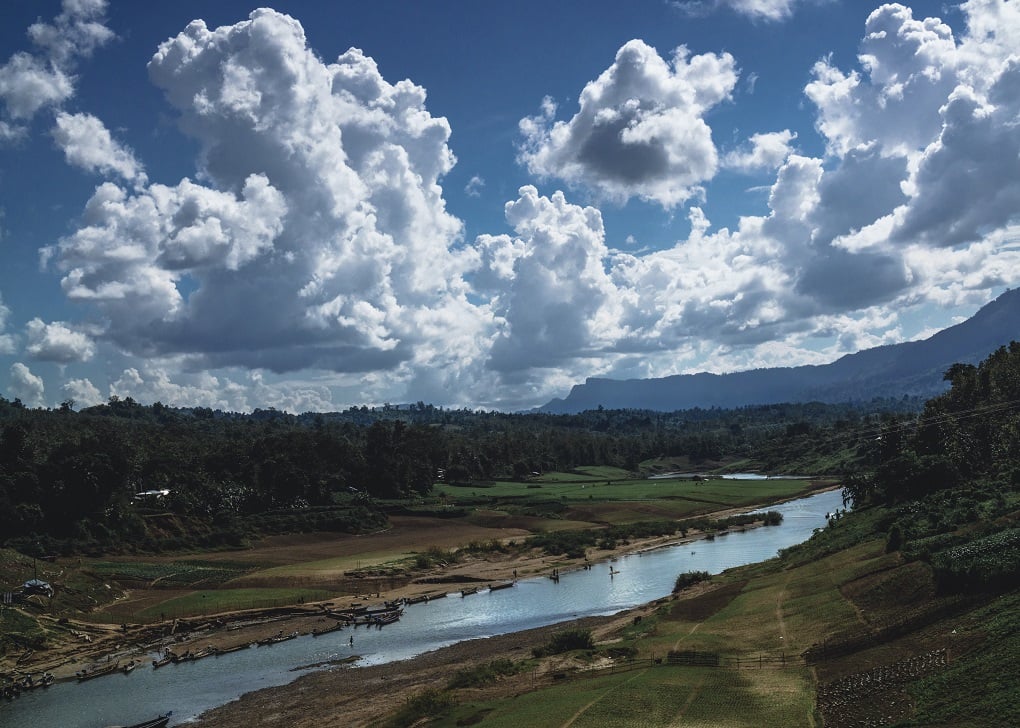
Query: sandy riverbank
[[404, 678]]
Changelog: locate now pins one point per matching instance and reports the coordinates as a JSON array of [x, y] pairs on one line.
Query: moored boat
[[92, 672], [326, 630], [469, 590], [235, 648], [387, 618]]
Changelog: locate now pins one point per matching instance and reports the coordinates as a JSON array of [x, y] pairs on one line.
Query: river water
[[188, 689]]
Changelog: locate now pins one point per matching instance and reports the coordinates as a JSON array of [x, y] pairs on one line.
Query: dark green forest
[[70, 480]]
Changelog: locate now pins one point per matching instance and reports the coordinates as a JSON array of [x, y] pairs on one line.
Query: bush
[[894, 540], [566, 641], [989, 563], [471, 677], [773, 518], [426, 704], [690, 578]]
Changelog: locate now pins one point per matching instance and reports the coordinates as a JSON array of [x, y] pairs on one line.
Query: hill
[[913, 368]]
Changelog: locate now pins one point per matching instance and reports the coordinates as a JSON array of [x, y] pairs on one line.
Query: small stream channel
[[189, 689]]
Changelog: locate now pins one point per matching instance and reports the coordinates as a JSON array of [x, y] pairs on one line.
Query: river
[[189, 689]]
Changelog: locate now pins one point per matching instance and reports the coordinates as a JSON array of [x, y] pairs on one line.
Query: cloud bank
[[314, 239]]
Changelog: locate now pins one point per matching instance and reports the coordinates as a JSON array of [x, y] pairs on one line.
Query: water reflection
[[192, 688]]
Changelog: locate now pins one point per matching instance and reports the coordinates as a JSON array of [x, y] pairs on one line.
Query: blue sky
[[471, 204]]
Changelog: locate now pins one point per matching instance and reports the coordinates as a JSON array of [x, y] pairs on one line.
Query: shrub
[[566, 641], [773, 518], [895, 540], [470, 677], [426, 704], [690, 578]]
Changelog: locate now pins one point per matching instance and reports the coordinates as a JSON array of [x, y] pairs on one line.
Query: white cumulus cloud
[[640, 130], [83, 392], [26, 386], [7, 341], [33, 81], [763, 151], [771, 10], [320, 237], [87, 143], [57, 342]]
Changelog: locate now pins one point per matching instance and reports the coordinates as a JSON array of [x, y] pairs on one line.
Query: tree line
[[72, 479]]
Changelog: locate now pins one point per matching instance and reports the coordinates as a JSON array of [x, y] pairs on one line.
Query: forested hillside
[[71, 480]]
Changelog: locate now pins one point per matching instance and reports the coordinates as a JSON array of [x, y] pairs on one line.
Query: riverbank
[[86, 644], [357, 696]]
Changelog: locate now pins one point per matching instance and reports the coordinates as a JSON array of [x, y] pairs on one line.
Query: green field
[[224, 600], [717, 492], [660, 696]]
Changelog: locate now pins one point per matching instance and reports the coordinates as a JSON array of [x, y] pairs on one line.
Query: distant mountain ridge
[[911, 368]]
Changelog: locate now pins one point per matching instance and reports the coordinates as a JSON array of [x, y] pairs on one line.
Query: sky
[[322, 205]]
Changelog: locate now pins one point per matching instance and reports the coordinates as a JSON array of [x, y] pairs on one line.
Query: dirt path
[[779, 607], [584, 709], [695, 692]]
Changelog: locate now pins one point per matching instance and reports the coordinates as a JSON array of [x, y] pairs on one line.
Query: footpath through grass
[[762, 611]]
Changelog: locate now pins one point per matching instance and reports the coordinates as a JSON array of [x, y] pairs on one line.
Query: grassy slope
[[837, 590]]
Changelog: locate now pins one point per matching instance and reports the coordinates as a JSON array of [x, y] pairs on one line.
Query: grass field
[[712, 494], [660, 696], [176, 604]]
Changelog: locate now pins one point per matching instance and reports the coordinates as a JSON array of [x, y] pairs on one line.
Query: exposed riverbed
[[191, 688]]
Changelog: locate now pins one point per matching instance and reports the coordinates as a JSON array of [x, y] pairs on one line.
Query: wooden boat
[[89, 673], [130, 666], [497, 587], [326, 630], [417, 600], [281, 637], [390, 607], [341, 616], [388, 618], [166, 659], [158, 722], [468, 590], [235, 648]]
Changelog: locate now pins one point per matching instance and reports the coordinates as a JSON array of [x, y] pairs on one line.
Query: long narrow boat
[[235, 648], [190, 656], [469, 590], [505, 585], [390, 607], [388, 618], [89, 673], [326, 630], [281, 637]]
